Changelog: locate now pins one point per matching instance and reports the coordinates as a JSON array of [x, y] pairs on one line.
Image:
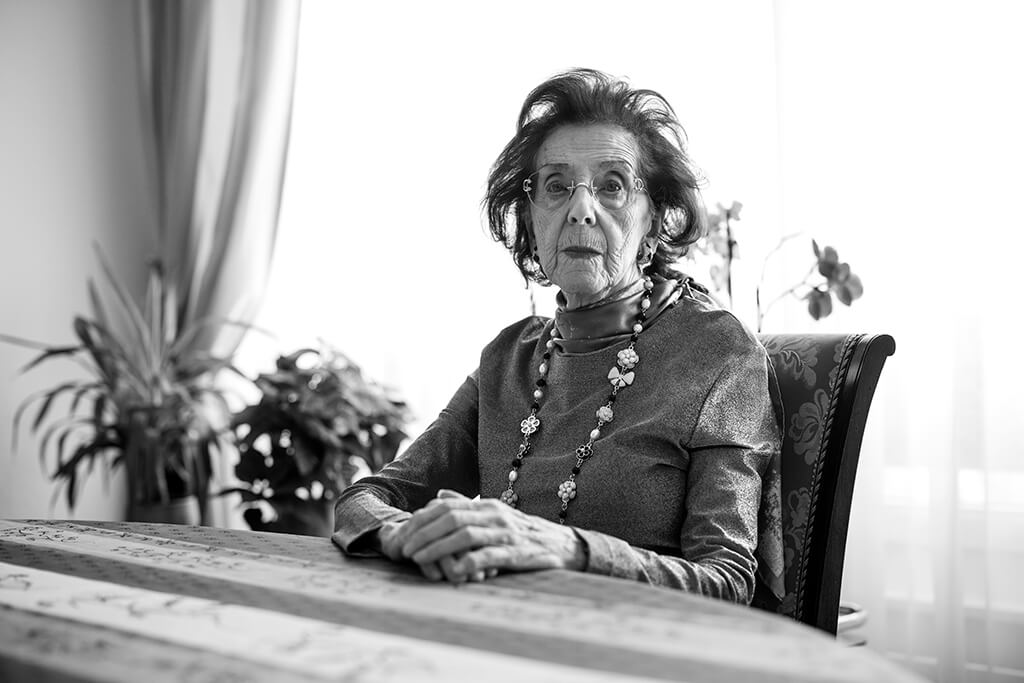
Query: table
[[153, 602]]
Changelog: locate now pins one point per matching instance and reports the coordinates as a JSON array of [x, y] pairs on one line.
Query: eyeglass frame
[[639, 185]]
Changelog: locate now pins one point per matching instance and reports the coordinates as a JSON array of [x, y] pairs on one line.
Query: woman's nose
[[581, 207]]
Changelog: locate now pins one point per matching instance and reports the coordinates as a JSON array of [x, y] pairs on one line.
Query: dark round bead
[[542, 382], [611, 398], [576, 470], [562, 514], [516, 463], [547, 355], [641, 316], [634, 337], [534, 406]]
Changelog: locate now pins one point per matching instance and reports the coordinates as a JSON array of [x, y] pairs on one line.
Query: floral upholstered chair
[[827, 382]]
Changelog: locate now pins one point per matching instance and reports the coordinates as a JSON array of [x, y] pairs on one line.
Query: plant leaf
[[98, 311], [53, 352], [849, 290], [819, 304], [137, 322], [81, 392], [25, 343], [48, 401], [68, 422]]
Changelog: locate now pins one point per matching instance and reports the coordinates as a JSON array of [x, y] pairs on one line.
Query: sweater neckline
[[597, 327]]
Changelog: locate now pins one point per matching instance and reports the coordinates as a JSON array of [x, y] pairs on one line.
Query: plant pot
[[184, 510], [301, 517]]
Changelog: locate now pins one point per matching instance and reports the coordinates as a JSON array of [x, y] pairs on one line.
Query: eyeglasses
[[611, 189]]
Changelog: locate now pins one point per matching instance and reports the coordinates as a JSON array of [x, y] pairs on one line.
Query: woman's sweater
[[673, 491]]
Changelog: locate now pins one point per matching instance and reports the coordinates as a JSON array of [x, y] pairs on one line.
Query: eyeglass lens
[[613, 189]]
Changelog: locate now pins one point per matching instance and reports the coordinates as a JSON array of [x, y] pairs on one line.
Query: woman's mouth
[[581, 252]]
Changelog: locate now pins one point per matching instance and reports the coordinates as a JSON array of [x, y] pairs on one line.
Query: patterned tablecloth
[[151, 602]]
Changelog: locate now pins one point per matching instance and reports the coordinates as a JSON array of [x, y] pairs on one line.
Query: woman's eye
[[611, 186], [555, 187]]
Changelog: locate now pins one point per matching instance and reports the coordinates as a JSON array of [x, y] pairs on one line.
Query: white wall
[[71, 174]]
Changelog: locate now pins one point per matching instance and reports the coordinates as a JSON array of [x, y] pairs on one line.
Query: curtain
[[216, 82], [900, 140]]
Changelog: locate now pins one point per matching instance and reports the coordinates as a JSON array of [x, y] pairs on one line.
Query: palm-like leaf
[[144, 402]]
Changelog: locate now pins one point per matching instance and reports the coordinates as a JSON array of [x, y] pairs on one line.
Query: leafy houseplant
[[143, 406], [317, 424], [826, 277]]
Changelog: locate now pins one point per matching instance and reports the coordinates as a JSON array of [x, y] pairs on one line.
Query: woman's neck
[[611, 318], [571, 302]]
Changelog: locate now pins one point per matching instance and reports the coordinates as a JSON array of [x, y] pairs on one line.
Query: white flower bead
[[605, 414], [567, 490], [529, 425], [648, 284], [638, 328], [645, 304], [628, 358]]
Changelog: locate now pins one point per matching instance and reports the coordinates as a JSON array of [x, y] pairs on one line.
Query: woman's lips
[[581, 252]]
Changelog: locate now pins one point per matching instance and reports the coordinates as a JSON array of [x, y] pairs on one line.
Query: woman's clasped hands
[[462, 539]]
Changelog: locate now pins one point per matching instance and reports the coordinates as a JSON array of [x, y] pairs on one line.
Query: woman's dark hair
[[585, 96]]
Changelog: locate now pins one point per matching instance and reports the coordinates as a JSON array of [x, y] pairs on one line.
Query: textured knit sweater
[[673, 491]]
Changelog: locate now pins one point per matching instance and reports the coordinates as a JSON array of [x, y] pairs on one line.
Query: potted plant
[[318, 424], [826, 276], [144, 404]]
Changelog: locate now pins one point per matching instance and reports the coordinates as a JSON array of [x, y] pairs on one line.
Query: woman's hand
[[466, 537], [389, 543]]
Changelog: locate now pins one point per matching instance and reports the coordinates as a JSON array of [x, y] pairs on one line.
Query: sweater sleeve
[[734, 440], [444, 456]]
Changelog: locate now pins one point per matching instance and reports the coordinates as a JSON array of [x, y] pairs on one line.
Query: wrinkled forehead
[[591, 148]]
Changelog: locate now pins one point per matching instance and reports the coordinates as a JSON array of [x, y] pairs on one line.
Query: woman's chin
[[581, 286]]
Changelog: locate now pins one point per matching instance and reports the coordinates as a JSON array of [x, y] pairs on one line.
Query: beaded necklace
[[620, 376]]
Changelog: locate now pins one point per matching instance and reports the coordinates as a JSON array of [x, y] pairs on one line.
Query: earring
[[540, 268], [645, 254]]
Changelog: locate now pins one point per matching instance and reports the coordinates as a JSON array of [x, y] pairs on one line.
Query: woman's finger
[[426, 515], [451, 494], [506, 557], [490, 558], [431, 571], [452, 569], [443, 526], [460, 540]]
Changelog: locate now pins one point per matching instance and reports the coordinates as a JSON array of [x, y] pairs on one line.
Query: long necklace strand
[[620, 376]]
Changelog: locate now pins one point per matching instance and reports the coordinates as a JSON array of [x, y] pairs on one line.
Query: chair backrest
[[827, 382]]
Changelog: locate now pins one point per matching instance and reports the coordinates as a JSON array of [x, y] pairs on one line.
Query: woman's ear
[[657, 222]]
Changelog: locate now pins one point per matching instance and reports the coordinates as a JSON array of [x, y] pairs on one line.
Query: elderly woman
[[633, 435]]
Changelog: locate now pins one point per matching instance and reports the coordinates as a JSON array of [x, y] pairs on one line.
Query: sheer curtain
[[900, 143], [888, 130], [216, 82]]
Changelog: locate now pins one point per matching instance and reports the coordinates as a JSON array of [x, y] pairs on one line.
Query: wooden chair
[[827, 382]]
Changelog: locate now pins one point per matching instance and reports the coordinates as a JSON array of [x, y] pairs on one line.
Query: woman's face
[[585, 248]]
